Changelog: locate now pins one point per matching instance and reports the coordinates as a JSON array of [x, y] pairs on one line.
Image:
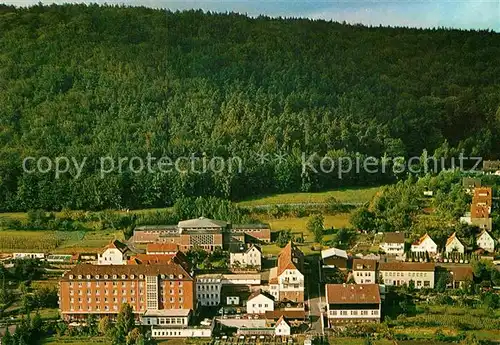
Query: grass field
[[75, 341], [55, 241], [347, 195]]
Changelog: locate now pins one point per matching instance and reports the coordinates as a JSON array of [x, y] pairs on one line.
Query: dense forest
[[92, 81]]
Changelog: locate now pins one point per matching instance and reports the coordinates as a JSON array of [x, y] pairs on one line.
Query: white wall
[[259, 305], [393, 248], [455, 245], [282, 329], [181, 333], [486, 242], [427, 245], [111, 256], [398, 278], [364, 277]]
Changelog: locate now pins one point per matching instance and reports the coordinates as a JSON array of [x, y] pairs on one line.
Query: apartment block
[[401, 273]]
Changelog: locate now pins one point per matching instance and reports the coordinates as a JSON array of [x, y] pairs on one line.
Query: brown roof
[[259, 292], [289, 314], [394, 237], [289, 258], [122, 247], [364, 265], [461, 273], [162, 247], [352, 293], [406, 266], [127, 270]]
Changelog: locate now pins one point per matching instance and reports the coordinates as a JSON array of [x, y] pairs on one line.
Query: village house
[[393, 243], [286, 281], [424, 244], [485, 241], [351, 303], [115, 253], [260, 302], [241, 256], [401, 273], [101, 290], [459, 275], [334, 258], [453, 244], [37, 256], [282, 327], [364, 271]]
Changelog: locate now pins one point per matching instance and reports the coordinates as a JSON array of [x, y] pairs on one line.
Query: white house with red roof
[[453, 244], [115, 253], [424, 244]]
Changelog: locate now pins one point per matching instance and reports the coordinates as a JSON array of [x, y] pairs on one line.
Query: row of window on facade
[[97, 284], [401, 274], [353, 312], [124, 292], [125, 300], [123, 276]]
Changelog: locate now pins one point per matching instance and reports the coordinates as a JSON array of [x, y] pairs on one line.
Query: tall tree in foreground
[[315, 226]]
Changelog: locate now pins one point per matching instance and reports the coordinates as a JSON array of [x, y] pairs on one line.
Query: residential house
[[351, 303], [459, 275], [243, 256], [334, 258], [282, 327], [115, 253], [393, 243], [235, 295], [87, 257], [424, 244], [401, 273], [100, 290], [364, 271], [286, 281], [259, 302], [485, 241], [453, 244]]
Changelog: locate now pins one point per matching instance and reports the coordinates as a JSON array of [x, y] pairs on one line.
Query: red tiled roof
[[421, 239], [286, 259], [451, 238], [289, 314], [352, 293], [161, 247]]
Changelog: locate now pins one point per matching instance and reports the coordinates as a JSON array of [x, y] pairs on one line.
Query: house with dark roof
[[115, 253], [352, 303], [260, 302], [393, 243], [243, 256], [364, 271], [286, 280]]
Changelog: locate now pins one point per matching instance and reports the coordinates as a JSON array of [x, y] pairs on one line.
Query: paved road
[[315, 299]]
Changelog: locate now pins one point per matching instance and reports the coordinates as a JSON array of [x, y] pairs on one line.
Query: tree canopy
[[111, 81]]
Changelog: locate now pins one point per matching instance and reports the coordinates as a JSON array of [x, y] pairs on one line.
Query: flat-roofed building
[[352, 303]]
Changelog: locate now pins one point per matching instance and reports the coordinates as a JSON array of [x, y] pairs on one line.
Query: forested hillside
[[91, 81]]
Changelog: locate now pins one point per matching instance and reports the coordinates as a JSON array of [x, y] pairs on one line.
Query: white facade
[[454, 245], [189, 332], [282, 328], [260, 304], [421, 279], [334, 314], [291, 281], [251, 257], [28, 255], [392, 248], [426, 244], [363, 276], [486, 242], [208, 289], [232, 300], [112, 256]]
